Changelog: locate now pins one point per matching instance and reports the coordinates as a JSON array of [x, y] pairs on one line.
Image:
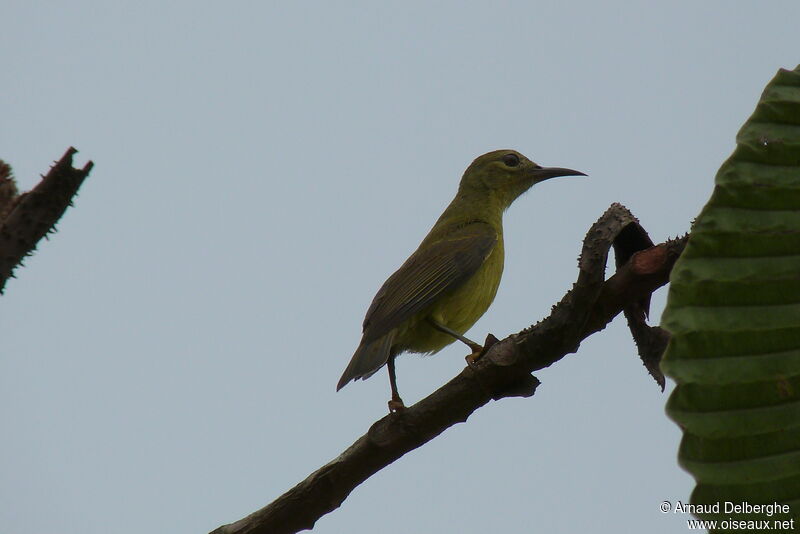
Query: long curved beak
[[543, 173]]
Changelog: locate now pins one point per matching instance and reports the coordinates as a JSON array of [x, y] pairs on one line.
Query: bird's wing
[[427, 274]]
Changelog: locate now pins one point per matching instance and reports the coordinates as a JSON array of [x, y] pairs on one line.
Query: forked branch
[[504, 371]]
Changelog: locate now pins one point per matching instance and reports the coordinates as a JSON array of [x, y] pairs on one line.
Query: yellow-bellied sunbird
[[451, 279]]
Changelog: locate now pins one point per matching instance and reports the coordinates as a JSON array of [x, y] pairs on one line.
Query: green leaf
[[734, 315]]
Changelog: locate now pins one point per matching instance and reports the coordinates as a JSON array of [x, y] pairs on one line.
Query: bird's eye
[[512, 160]]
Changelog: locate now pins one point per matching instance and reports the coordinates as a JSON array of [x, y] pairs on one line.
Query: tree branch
[[504, 371], [27, 218]]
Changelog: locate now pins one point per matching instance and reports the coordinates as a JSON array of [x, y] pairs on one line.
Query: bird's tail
[[367, 360]]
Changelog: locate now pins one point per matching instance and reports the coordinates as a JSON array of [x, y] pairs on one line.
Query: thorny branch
[[28, 217], [504, 371]]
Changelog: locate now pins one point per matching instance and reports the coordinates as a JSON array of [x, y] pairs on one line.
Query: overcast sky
[[168, 359]]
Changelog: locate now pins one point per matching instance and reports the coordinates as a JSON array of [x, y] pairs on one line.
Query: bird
[[450, 281]]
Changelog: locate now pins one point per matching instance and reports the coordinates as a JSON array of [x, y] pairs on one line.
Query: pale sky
[[169, 358]]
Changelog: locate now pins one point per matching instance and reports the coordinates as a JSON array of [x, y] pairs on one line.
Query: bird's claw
[[478, 351], [475, 355]]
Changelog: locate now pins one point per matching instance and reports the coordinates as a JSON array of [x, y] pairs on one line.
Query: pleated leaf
[[734, 314]]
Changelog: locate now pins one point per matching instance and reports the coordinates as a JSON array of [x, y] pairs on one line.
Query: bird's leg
[[396, 404], [477, 349]]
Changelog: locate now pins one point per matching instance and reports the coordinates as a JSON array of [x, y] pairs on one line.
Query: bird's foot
[[396, 405], [475, 355], [478, 351]]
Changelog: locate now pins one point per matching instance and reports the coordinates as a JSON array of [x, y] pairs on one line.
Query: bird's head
[[505, 174]]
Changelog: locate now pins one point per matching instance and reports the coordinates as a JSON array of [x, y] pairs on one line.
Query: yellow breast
[[457, 310]]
